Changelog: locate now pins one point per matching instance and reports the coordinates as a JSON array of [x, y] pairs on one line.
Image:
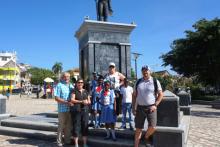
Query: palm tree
[[57, 68]]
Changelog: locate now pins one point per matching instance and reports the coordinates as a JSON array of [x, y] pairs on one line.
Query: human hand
[[85, 102], [114, 112], [153, 108], [70, 103], [134, 112]]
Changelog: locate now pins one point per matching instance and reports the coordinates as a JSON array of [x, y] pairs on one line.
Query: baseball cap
[[112, 64], [145, 67]]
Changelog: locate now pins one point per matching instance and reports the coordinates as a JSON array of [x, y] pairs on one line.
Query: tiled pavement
[[204, 128]]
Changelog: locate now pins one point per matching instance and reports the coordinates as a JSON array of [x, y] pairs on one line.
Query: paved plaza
[[204, 128]]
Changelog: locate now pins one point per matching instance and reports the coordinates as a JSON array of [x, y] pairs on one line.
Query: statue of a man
[[103, 9]]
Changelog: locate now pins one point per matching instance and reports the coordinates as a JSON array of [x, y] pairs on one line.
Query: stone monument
[[101, 43], [185, 102], [3, 114]]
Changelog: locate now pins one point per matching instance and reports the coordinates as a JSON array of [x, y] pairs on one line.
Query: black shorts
[[142, 113]]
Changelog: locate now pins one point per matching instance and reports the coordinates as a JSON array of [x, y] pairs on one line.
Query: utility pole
[[136, 55]]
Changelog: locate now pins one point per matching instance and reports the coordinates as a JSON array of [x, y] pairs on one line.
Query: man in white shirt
[[126, 92], [147, 96]]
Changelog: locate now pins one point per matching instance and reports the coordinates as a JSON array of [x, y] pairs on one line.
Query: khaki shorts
[[142, 113]]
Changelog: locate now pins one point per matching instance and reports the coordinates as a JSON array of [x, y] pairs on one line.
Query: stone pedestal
[[185, 102], [3, 114], [172, 126], [168, 113], [101, 43]]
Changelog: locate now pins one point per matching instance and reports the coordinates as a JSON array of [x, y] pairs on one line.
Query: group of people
[[104, 102]]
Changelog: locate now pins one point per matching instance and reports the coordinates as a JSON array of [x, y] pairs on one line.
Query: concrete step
[[43, 126], [186, 110], [93, 141], [55, 115], [185, 125], [27, 133]]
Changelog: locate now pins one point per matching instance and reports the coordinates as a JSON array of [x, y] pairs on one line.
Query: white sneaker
[[59, 144]]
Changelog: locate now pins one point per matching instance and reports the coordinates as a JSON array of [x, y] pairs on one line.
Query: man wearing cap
[[116, 79], [146, 98]]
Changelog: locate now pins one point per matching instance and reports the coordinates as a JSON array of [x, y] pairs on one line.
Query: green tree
[[165, 81], [197, 55], [39, 74], [57, 69], [132, 73]]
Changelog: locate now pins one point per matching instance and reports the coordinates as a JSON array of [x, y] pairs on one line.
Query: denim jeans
[[126, 107]]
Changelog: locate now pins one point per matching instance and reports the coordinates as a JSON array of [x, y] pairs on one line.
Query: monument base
[[186, 110], [4, 116]]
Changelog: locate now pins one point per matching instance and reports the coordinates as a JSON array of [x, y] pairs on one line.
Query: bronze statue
[[103, 9]]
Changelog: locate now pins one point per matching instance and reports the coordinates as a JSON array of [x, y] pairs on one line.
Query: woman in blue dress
[[108, 110]]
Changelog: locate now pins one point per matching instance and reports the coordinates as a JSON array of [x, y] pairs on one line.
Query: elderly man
[[147, 96], [62, 96]]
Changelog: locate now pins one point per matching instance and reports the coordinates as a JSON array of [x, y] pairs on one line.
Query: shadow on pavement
[[206, 114]]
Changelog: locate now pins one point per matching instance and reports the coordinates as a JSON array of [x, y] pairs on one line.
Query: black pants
[[80, 122], [118, 102]]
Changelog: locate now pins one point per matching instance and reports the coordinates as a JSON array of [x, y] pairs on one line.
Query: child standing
[[108, 111], [96, 107]]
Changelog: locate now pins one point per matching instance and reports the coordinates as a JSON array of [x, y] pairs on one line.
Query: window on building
[[4, 58]]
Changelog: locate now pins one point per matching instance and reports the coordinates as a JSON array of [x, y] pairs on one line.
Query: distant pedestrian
[[108, 111], [147, 96], [8, 93], [80, 112], [127, 92], [62, 96]]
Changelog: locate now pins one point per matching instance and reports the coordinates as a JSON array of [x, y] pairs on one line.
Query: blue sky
[[42, 31]]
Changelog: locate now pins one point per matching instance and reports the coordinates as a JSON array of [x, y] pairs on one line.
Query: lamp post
[[136, 55]]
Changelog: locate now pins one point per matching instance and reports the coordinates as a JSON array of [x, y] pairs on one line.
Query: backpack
[[155, 85]]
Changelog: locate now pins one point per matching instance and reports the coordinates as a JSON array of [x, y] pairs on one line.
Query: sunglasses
[[80, 82]]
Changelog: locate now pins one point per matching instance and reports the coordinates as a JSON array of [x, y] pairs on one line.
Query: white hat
[[112, 64]]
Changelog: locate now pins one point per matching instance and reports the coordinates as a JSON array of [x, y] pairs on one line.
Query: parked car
[[17, 91], [36, 89]]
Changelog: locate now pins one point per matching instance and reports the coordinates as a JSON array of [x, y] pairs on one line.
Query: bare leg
[[76, 141], [138, 134], [84, 140], [150, 131]]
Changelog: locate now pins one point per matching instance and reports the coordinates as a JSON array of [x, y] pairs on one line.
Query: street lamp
[[136, 55]]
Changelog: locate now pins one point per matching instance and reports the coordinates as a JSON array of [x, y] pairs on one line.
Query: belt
[[145, 106]]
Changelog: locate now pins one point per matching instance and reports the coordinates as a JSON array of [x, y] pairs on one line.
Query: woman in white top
[[116, 80]]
